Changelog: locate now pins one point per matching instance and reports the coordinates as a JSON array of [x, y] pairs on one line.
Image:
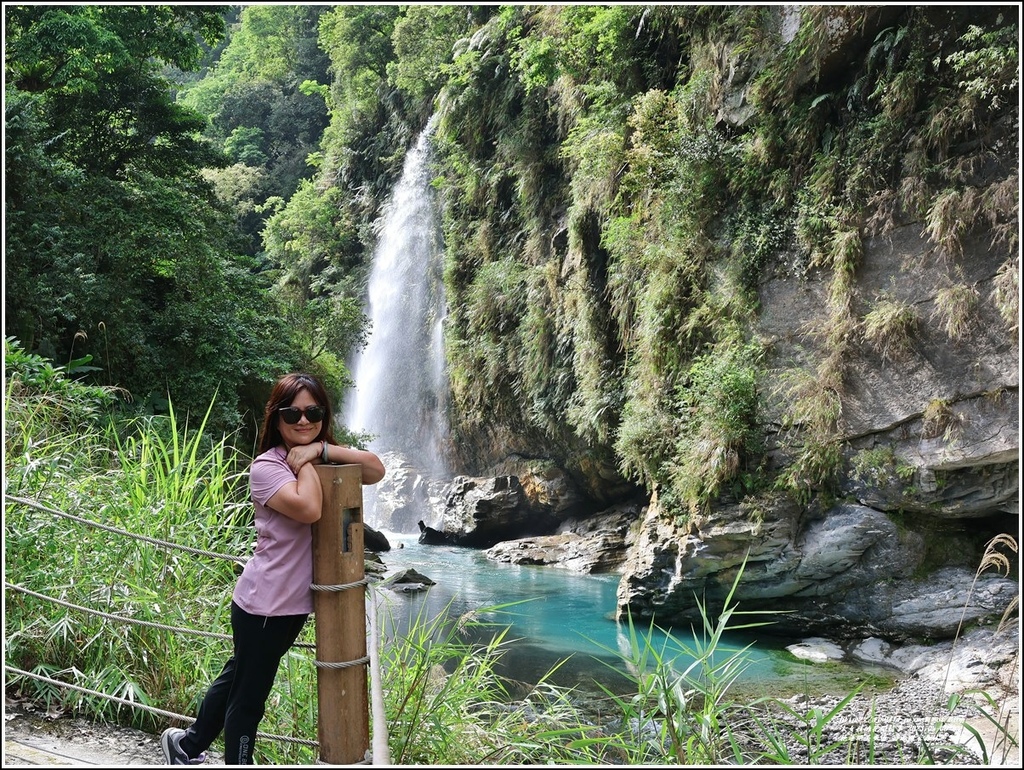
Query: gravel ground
[[914, 723], [79, 741], [910, 724]]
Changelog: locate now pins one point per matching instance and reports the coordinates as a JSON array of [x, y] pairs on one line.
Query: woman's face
[[303, 432]]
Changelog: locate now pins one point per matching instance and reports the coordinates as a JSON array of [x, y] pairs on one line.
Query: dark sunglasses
[[292, 414]]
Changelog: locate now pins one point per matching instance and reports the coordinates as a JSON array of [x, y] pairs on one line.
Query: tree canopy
[[116, 245]]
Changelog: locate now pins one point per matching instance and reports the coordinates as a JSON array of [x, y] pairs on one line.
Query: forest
[[191, 194]]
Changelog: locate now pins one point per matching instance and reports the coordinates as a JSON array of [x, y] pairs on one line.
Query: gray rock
[[817, 650], [849, 572], [589, 545], [407, 580], [480, 512], [374, 540]]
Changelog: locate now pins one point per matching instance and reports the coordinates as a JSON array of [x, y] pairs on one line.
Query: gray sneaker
[[170, 742]]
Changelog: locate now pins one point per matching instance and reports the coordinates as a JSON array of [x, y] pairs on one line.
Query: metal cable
[[125, 533], [134, 704], [339, 587], [346, 664], [134, 621], [368, 759]]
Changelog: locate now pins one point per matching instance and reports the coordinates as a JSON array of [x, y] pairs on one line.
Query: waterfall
[[400, 380]]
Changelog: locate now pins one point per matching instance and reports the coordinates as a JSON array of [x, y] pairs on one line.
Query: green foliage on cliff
[[648, 213], [617, 185]]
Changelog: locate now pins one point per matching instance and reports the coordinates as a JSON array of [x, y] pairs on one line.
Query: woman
[[272, 598]]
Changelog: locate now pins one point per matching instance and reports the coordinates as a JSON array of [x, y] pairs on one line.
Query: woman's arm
[[302, 499], [373, 468]]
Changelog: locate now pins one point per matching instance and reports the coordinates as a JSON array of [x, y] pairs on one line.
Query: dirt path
[[32, 738]]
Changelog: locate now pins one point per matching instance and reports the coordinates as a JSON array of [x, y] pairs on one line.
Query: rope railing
[[124, 533], [140, 706], [131, 621], [119, 618], [109, 616], [362, 661]]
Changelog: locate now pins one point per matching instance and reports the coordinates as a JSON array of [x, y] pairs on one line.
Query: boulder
[[431, 536], [589, 545], [407, 580], [482, 511], [374, 540], [847, 572]]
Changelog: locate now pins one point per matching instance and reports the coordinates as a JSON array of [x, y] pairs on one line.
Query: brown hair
[[284, 392]]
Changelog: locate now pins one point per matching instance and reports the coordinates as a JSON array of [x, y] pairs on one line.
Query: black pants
[[237, 698]]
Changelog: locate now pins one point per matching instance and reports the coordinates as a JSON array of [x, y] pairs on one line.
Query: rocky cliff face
[[930, 473], [918, 538]]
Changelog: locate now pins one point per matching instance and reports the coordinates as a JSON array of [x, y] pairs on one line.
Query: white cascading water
[[400, 383]]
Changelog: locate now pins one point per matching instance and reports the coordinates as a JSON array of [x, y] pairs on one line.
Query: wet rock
[[590, 545], [375, 541], [407, 580]]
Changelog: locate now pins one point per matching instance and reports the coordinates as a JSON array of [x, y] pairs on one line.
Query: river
[[558, 619]]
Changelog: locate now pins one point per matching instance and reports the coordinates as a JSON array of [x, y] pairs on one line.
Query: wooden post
[[343, 717]]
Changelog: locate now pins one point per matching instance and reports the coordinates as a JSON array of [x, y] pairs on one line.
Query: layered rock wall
[[930, 436], [916, 536]]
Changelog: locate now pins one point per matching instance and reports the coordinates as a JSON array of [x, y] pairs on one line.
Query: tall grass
[[993, 711], [70, 458], [194, 483], [447, 705], [683, 716]]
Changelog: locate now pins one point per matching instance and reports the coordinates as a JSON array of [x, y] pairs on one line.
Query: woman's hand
[[301, 454]]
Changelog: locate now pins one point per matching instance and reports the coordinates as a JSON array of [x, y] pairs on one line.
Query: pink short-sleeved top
[[276, 579]]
